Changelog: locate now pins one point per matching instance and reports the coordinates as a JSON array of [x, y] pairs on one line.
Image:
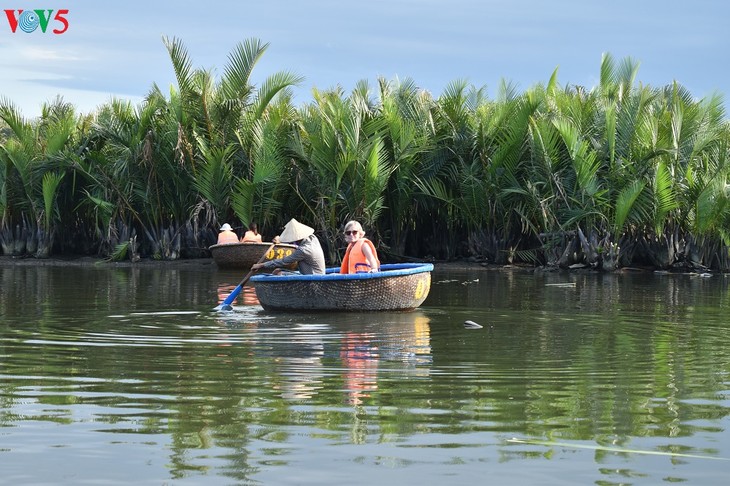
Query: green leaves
[[449, 172], [51, 180], [712, 209], [241, 62], [214, 175], [664, 197], [627, 209]]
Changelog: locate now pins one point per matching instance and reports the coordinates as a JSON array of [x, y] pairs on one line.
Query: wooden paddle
[[226, 305]]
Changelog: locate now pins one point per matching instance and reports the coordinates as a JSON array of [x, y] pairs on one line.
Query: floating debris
[[566, 285], [700, 275], [471, 325]]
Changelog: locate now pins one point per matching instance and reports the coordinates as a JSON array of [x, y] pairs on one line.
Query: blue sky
[[115, 48]]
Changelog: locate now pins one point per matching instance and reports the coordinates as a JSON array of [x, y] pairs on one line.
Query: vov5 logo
[[29, 20]]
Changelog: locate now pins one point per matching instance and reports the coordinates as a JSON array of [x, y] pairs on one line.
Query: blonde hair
[[353, 225]]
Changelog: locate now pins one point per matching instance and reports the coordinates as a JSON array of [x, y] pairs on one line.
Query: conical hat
[[295, 231]]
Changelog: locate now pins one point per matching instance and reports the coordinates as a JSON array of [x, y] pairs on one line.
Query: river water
[[128, 375]]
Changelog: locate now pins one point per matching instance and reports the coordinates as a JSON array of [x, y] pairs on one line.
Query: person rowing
[[308, 256]]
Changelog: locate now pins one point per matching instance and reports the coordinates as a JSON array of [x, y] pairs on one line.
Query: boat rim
[[251, 244], [333, 274]]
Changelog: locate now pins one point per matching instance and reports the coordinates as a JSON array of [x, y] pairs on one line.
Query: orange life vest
[[354, 257], [251, 237], [225, 237]]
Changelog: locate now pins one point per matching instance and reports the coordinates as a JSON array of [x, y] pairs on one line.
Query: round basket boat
[[243, 255], [396, 287]]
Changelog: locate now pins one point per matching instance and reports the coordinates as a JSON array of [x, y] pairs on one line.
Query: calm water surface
[[127, 375]]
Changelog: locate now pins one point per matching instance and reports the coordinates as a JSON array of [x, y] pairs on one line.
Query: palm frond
[[10, 114], [664, 197], [628, 206], [181, 63], [120, 252], [214, 178], [51, 180], [712, 207], [607, 72], [272, 86], [241, 62], [242, 200]]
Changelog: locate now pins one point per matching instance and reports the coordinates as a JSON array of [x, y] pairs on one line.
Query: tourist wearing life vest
[[252, 235], [227, 235], [360, 256]]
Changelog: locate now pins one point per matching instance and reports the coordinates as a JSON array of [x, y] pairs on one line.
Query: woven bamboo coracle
[[396, 287], [243, 255]]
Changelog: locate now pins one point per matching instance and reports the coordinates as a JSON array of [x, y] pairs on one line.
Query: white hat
[[226, 227], [295, 231]]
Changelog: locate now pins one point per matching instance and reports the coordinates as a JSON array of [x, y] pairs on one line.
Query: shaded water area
[[127, 375]]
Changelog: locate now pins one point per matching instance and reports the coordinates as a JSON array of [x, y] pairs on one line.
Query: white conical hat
[[226, 227], [295, 231]]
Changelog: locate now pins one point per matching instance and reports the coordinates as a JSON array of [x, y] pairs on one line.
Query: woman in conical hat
[[308, 256]]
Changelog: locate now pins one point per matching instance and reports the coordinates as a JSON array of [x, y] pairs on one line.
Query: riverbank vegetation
[[618, 175]]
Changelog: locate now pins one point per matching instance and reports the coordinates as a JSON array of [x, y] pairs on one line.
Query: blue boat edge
[[333, 273]]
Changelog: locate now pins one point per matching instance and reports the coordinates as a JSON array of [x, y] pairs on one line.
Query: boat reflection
[[303, 346], [360, 358], [301, 369], [246, 297], [369, 340]]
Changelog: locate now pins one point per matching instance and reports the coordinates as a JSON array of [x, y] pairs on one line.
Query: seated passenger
[[227, 235], [360, 256], [252, 235]]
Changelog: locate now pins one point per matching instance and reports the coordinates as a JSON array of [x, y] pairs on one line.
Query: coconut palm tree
[[343, 169], [32, 164], [259, 195], [228, 126], [409, 138], [117, 173]]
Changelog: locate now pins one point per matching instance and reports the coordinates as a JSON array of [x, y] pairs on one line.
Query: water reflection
[[360, 359], [305, 345], [247, 295], [127, 375], [299, 366], [402, 337]]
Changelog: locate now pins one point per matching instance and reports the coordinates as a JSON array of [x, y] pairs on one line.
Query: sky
[[115, 49]]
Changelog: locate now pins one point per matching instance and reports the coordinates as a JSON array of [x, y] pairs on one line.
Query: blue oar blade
[[229, 300], [226, 305]]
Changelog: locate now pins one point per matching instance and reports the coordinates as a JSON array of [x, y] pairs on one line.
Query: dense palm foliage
[[622, 174]]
